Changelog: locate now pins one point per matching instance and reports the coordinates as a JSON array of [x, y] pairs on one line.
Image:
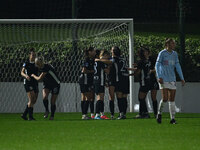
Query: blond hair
[[103, 53]]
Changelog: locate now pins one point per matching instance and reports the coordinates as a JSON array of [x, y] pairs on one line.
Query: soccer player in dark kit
[[30, 84], [51, 84], [122, 81], [86, 83], [148, 82], [100, 71]]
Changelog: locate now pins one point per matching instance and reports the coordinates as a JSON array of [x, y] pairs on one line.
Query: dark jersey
[[113, 76], [87, 78], [145, 66], [99, 74], [30, 68], [120, 69], [51, 77]]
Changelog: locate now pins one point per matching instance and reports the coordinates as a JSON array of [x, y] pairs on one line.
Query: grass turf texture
[[68, 131]]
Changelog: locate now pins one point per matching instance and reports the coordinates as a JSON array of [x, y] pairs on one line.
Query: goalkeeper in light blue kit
[[166, 63]]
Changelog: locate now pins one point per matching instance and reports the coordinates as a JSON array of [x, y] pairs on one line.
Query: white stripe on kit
[[54, 76], [102, 77], [85, 78], [116, 68], [142, 76]]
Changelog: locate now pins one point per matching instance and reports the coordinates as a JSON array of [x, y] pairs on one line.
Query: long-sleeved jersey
[[165, 64]]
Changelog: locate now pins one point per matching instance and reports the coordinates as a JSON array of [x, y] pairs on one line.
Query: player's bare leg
[[111, 100], [46, 102], [53, 106], [32, 100]]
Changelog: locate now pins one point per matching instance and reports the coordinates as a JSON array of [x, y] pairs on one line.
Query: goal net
[[61, 42]]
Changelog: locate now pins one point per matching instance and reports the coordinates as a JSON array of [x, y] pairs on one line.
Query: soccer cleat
[[143, 116], [121, 117], [173, 121], [46, 114], [138, 116], [24, 117], [92, 117], [31, 119], [51, 118], [97, 118], [85, 117], [159, 118], [112, 117], [104, 117]]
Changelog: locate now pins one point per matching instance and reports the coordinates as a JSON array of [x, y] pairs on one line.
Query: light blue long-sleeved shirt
[[165, 66]]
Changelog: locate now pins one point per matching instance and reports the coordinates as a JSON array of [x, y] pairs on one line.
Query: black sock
[[98, 103], [120, 104], [143, 106], [86, 105], [92, 106], [82, 107], [46, 104], [155, 107], [25, 111], [111, 104], [101, 106], [125, 105], [30, 112], [53, 109]]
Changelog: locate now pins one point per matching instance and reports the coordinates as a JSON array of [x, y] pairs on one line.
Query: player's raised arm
[[39, 78]]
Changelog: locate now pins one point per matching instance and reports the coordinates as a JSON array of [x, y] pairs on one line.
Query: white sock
[[102, 113], [172, 110], [97, 115], [161, 106]]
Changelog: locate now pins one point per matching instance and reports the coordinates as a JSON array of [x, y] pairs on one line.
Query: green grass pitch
[[69, 132]]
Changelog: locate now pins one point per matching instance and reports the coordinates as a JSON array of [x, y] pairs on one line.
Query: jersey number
[[95, 67], [123, 66]]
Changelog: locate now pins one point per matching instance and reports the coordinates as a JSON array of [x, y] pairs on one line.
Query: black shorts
[[154, 85], [149, 86], [98, 88], [123, 86], [86, 88], [53, 89], [111, 83], [31, 87]]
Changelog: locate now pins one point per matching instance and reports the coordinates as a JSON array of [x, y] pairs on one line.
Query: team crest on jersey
[[30, 87]]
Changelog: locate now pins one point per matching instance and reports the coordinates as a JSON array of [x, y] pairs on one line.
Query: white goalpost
[[61, 42]]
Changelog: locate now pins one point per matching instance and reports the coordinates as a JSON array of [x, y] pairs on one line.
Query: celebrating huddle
[[104, 69], [100, 70]]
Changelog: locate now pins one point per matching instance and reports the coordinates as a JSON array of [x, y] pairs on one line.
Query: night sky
[[148, 11]]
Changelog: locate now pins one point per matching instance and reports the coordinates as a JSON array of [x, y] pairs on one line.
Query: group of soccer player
[[103, 69], [100, 71], [51, 84]]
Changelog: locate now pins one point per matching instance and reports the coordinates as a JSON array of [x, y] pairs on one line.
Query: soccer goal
[[61, 42]]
